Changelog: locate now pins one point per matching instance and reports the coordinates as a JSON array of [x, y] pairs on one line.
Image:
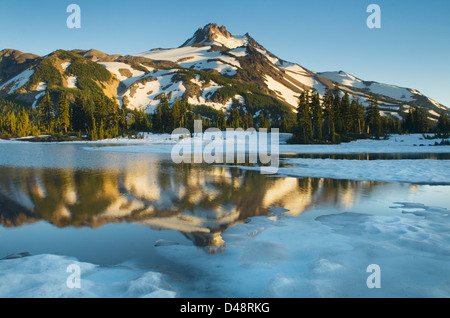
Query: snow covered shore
[[421, 171]]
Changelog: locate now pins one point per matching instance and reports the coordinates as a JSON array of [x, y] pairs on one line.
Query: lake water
[[109, 208]]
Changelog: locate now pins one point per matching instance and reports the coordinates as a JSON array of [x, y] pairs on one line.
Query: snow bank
[[394, 144], [46, 276]]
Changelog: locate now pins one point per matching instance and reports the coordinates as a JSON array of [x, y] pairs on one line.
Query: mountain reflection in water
[[198, 200]]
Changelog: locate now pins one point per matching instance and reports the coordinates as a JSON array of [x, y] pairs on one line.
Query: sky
[[410, 49]]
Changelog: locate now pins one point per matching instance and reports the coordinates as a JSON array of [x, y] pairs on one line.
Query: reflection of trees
[[198, 200]]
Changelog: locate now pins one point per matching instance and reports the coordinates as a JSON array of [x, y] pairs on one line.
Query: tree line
[[334, 118]]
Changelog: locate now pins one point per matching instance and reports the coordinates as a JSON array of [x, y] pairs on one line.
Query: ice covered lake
[[138, 225]]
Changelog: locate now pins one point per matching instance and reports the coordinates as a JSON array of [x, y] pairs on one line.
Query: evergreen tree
[[221, 121], [176, 114], [63, 119], [183, 113], [422, 124], [443, 126], [166, 115], [337, 109], [263, 122], [11, 123], [283, 125], [46, 112], [317, 116], [373, 117], [346, 114], [250, 123], [78, 115], [23, 124], [123, 113], [113, 119], [358, 122], [304, 125], [235, 119], [416, 121], [91, 126], [100, 111], [328, 116]]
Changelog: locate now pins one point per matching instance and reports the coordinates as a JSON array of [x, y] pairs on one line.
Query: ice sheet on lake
[[326, 256], [420, 171], [46, 276], [320, 254]]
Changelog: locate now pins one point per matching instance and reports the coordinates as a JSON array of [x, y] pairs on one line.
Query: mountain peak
[[212, 34]]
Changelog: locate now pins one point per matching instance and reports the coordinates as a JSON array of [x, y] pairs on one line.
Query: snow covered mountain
[[213, 68]]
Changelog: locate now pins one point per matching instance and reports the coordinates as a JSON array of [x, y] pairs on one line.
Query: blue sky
[[411, 49]]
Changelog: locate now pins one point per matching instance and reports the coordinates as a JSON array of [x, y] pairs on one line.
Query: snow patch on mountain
[[65, 65], [145, 95], [392, 91], [42, 86], [222, 68], [395, 92], [179, 54], [36, 99], [116, 67], [344, 79], [272, 59], [72, 81], [18, 81], [287, 94], [232, 42], [239, 52]]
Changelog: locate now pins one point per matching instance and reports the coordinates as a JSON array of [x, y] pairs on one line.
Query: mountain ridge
[[139, 80]]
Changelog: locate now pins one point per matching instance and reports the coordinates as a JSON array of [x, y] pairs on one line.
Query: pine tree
[[236, 119], [304, 125], [11, 123], [328, 116], [183, 112], [46, 112], [157, 120], [63, 120], [78, 121], [123, 113], [113, 119], [373, 117], [357, 111], [221, 121], [416, 121], [176, 114], [443, 126], [166, 114], [317, 116], [337, 109], [347, 119], [24, 125], [263, 122], [100, 112]]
